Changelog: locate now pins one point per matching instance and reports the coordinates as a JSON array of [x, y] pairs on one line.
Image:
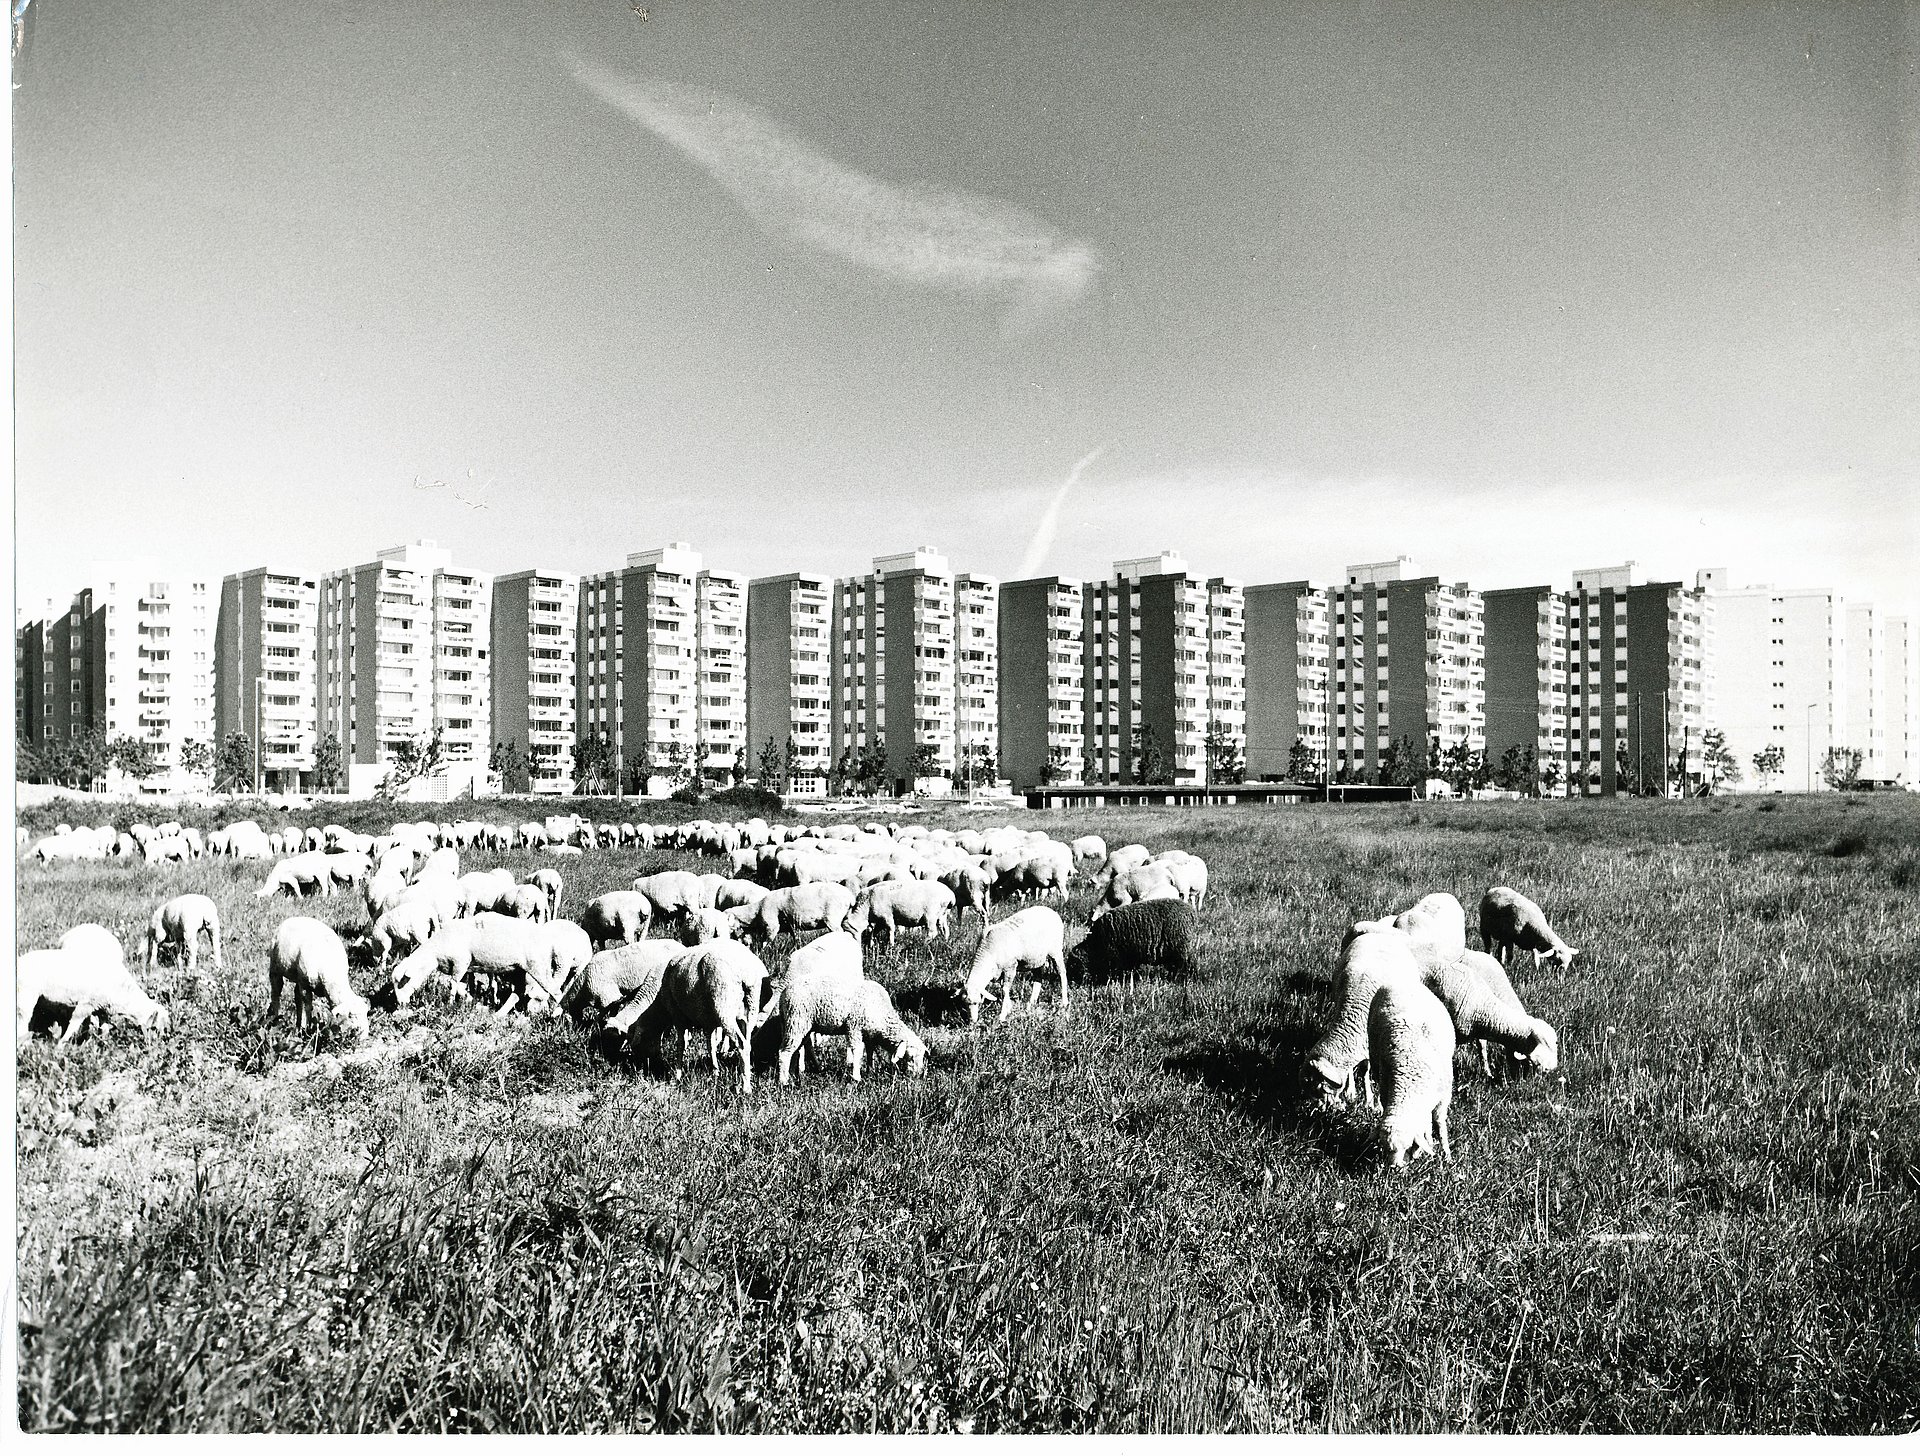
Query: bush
[[751, 801]]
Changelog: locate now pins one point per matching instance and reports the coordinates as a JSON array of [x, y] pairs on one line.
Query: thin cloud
[[1043, 533], [928, 236]]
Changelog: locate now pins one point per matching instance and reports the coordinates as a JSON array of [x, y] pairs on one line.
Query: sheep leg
[[1485, 1066], [274, 979], [81, 1011], [1061, 962], [1440, 1128], [856, 1050]]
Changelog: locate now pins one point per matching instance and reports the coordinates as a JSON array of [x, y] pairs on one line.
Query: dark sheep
[[1127, 938]]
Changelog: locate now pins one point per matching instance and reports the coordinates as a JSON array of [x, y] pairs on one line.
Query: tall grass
[[1123, 1217]]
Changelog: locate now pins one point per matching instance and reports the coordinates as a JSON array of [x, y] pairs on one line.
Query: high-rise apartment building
[[1042, 682], [1779, 680], [1166, 664], [1902, 657], [265, 673], [535, 617], [1409, 665], [1866, 688], [1529, 677], [662, 664], [894, 665], [404, 653], [976, 693], [1289, 670], [152, 663], [70, 693], [789, 678]]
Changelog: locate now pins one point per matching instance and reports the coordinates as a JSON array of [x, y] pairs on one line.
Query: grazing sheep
[[1089, 849], [1511, 923], [1410, 1050], [404, 927], [524, 902], [672, 891], [895, 905], [732, 893], [818, 905], [484, 889], [1157, 933], [1189, 875], [620, 915], [85, 977], [1437, 920], [1031, 940], [712, 988], [1368, 961], [444, 861], [299, 875], [167, 849], [552, 886], [537, 958], [1035, 875], [180, 922], [439, 891], [308, 955], [824, 989], [971, 891], [699, 926], [625, 977], [1127, 857], [1475, 990], [383, 891], [1145, 882]]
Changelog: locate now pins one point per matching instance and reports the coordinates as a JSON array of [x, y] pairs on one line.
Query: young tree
[[1512, 773], [1550, 772], [233, 765], [1626, 773], [870, 769], [1149, 762], [1769, 762], [1055, 768], [1303, 762], [327, 763], [511, 764], [679, 763], [1456, 766], [789, 763], [1479, 769], [417, 758], [1418, 763], [845, 771], [196, 757], [1841, 768], [29, 766], [771, 777], [1225, 762], [923, 762], [1390, 767], [1717, 760], [134, 757], [740, 763], [593, 766]]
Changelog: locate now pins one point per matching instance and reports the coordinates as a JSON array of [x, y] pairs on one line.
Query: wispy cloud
[[929, 236], [1043, 533]]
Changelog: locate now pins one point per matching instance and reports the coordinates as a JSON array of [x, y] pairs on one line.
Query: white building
[[1902, 657], [154, 646], [265, 669], [721, 732], [976, 701], [1780, 677]]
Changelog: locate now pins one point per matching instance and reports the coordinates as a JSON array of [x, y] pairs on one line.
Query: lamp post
[[1810, 707], [259, 685]]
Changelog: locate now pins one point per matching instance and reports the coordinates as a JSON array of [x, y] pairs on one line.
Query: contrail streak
[[1043, 533], [930, 236]]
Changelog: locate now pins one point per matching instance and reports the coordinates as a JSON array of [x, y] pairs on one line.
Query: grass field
[[1125, 1217]]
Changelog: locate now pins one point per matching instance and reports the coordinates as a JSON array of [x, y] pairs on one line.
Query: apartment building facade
[[266, 667], [976, 691], [894, 668], [1866, 688], [1529, 682], [790, 678], [404, 651], [1779, 678], [1902, 656], [153, 662], [1289, 675], [720, 599], [1409, 665], [1040, 645], [1166, 665], [532, 660]]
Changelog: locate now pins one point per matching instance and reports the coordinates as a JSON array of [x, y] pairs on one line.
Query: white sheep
[[404, 927], [625, 978], [895, 905], [1127, 857], [1188, 873], [619, 915], [1511, 923], [86, 976], [699, 926], [824, 989], [552, 886], [1033, 940], [180, 922], [308, 955], [525, 902], [713, 988], [1089, 849], [1376, 957], [538, 958], [1437, 920], [299, 875], [1410, 1051], [1131, 886]]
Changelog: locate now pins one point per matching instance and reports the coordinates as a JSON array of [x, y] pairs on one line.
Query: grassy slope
[[1119, 1218]]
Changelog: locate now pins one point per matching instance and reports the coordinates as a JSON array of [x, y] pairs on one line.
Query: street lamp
[[1810, 707], [259, 685]]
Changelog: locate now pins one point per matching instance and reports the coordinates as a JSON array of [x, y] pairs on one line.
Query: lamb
[[1511, 923], [824, 989], [1410, 1049], [86, 976], [180, 922], [1189, 875], [1089, 849], [620, 915], [1480, 999], [1149, 933], [538, 958], [820, 905], [895, 905], [1437, 920], [1031, 940], [406, 927], [1368, 961], [713, 988], [308, 955]]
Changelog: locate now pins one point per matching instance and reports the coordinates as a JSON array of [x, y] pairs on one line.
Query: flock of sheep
[[1406, 988]]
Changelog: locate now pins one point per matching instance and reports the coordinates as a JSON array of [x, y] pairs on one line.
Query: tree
[[327, 763], [1149, 761], [1055, 768], [134, 757], [1717, 760], [1769, 762], [845, 770], [1226, 764], [1550, 775], [679, 763], [233, 765], [1841, 768], [511, 764], [1626, 773], [1418, 763], [771, 777], [29, 766], [789, 763], [1304, 762], [1456, 766], [1479, 769], [870, 768], [740, 763], [593, 766], [923, 762], [417, 758], [196, 757], [1512, 773]]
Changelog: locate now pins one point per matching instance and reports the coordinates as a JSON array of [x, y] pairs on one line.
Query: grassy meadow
[[1123, 1216]]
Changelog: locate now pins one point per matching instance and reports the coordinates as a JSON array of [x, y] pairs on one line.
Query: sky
[[1512, 289]]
